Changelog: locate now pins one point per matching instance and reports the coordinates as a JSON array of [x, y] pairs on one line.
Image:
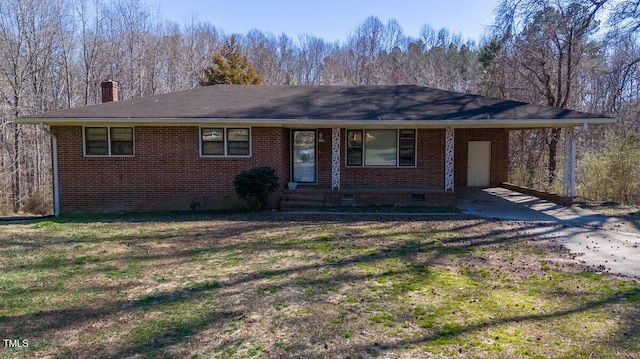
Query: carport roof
[[322, 106]]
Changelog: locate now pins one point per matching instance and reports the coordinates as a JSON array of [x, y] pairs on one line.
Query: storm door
[[303, 156]]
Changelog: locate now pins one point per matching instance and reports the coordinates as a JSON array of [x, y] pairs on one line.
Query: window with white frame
[[221, 141], [108, 141], [381, 148]]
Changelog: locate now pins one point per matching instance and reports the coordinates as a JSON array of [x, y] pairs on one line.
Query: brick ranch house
[[340, 145]]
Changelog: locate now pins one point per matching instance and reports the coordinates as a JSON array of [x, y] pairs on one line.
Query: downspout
[[54, 159]]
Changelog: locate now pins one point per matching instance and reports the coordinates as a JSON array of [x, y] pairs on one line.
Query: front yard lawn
[[284, 285]]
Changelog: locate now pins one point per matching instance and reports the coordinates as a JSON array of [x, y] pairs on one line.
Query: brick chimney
[[109, 91]]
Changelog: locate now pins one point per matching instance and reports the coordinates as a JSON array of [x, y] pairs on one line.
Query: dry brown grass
[[276, 285]]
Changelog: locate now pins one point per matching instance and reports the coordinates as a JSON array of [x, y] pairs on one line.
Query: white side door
[[479, 164]]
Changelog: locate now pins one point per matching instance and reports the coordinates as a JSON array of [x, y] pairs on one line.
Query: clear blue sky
[[332, 19]]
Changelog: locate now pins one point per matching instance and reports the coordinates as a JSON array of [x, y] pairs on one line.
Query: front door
[[479, 164], [303, 156]]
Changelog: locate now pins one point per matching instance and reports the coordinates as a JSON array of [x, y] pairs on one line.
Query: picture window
[[381, 148]]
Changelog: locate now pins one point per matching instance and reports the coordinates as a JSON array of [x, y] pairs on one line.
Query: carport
[[506, 204], [477, 155]]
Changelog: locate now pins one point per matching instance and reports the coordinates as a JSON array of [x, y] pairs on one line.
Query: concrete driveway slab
[[602, 242]]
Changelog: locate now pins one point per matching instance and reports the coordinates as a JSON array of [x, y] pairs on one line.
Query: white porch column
[[448, 160], [569, 185], [335, 158]]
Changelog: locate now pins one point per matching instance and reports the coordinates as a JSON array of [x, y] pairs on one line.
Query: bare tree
[[65, 32], [128, 40], [272, 57], [310, 61], [548, 40], [625, 16], [365, 46], [90, 15], [201, 42], [27, 39]]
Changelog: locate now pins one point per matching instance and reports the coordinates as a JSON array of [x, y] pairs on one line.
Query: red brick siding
[[285, 135], [381, 198], [166, 172], [499, 153], [324, 157], [429, 171]]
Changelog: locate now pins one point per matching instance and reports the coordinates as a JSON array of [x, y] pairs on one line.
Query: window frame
[[363, 147], [225, 142], [109, 142]]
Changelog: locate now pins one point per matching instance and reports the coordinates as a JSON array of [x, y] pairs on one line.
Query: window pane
[[97, 148], [122, 141], [407, 148], [238, 148], [354, 156], [212, 141], [122, 148], [213, 134], [238, 141], [354, 148], [97, 141], [380, 147], [238, 134], [213, 148], [121, 134], [96, 133]]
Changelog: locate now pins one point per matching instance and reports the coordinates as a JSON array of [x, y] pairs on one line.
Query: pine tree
[[231, 66]]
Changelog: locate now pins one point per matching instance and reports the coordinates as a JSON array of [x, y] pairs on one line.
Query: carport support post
[[569, 162], [335, 159], [448, 160]]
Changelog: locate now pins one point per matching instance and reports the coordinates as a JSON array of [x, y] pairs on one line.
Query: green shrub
[[613, 174], [255, 185]]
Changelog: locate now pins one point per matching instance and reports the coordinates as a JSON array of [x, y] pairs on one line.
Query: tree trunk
[[553, 154], [16, 167]]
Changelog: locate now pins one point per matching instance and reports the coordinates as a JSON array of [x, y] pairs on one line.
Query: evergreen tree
[[231, 66]]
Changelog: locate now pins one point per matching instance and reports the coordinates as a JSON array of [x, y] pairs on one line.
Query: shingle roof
[[318, 104]]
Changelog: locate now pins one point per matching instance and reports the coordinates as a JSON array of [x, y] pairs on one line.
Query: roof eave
[[454, 123]]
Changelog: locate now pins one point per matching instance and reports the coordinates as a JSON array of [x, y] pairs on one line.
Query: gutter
[[54, 158]]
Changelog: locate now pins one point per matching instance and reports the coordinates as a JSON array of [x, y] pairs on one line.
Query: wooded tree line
[[579, 54]]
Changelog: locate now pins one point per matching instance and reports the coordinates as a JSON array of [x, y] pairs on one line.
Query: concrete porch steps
[[292, 202]]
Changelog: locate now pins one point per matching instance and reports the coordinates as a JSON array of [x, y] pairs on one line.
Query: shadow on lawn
[[148, 217], [38, 326], [230, 215], [206, 242], [251, 222], [628, 331]]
